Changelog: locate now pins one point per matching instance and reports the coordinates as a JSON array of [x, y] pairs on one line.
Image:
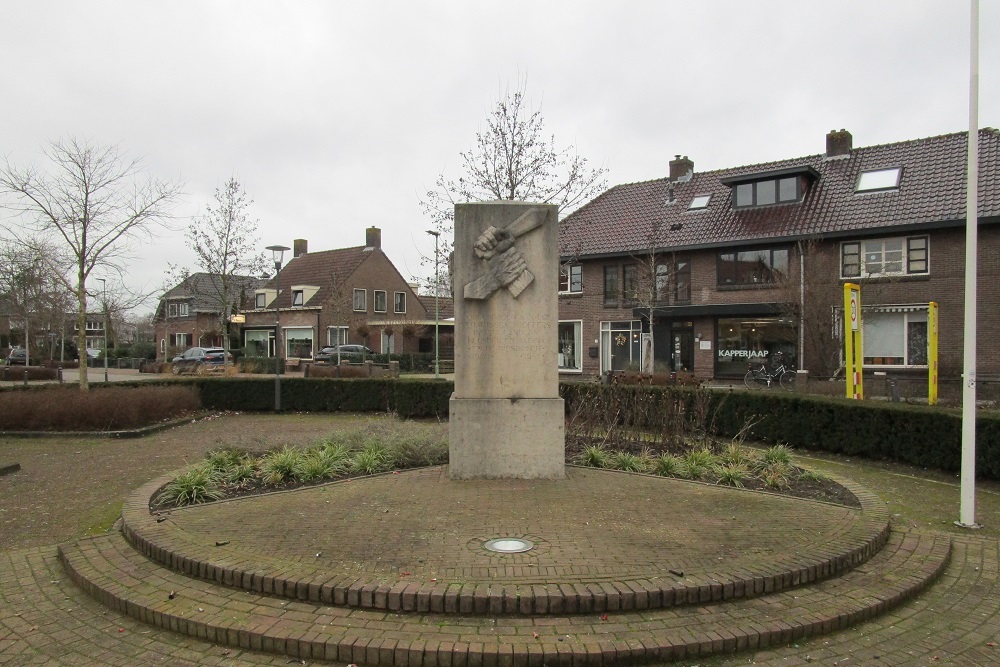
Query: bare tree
[[33, 294], [226, 246], [93, 204], [514, 159]]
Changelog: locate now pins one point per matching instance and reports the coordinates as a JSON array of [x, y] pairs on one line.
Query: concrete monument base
[[498, 438]]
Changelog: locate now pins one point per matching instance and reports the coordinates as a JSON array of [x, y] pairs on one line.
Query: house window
[[571, 346], [630, 284], [699, 202], [260, 300], [682, 281], [767, 192], [298, 343], [380, 300], [571, 278], [163, 345], [388, 343], [884, 257], [662, 283], [611, 285], [878, 180], [336, 335], [181, 340], [361, 300], [297, 297], [891, 338], [752, 267], [177, 310], [399, 302]]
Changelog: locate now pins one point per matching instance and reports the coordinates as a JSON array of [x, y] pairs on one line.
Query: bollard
[[25, 376], [59, 374], [894, 389]]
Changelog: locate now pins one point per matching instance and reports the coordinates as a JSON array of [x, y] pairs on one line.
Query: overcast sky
[[337, 116]]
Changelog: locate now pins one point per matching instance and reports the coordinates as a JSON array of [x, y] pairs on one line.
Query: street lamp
[[104, 289], [437, 311], [277, 253]]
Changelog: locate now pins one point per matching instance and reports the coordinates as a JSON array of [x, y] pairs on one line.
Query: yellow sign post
[[852, 341], [932, 353]]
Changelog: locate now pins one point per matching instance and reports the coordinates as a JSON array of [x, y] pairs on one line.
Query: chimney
[[681, 169], [373, 238], [300, 247], [838, 143]]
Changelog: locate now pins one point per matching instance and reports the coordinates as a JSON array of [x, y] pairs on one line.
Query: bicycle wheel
[[753, 381], [787, 380]]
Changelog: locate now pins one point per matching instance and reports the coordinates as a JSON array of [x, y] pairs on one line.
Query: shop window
[[894, 338], [611, 285], [571, 278], [744, 340], [257, 343], [752, 267], [399, 302], [298, 343], [570, 346], [897, 256], [360, 300]]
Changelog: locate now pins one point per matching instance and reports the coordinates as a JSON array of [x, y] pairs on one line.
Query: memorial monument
[[506, 417]]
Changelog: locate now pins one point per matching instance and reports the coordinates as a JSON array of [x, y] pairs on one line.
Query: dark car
[[328, 355], [17, 357], [200, 360]]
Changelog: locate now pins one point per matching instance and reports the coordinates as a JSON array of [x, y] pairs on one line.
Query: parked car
[[200, 360], [328, 355], [18, 357]]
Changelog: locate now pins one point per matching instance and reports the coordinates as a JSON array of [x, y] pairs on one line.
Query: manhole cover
[[509, 545]]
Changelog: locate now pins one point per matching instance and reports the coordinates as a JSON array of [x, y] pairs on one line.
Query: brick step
[[180, 541], [115, 574]]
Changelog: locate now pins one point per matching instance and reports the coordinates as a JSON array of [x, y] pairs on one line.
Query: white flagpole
[[967, 509]]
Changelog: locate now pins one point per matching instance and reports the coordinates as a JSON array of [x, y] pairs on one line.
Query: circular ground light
[[509, 545]]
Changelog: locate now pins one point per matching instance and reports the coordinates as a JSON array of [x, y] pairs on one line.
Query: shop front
[[744, 340]]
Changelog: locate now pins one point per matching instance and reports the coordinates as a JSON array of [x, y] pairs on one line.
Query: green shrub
[[198, 485], [319, 464], [281, 465], [667, 465], [777, 454], [594, 456], [628, 462], [732, 474], [371, 460]]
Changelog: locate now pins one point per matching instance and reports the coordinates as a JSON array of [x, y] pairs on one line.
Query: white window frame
[[905, 241], [879, 180], [287, 333], [567, 271], [909, 313], [385, 301], [397, 298], [331, 335], [388, 342], [260, 300], [699, 202], [577, 348], [360, 300]]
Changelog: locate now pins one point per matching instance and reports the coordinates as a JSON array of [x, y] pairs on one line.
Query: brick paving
[[603, 541], [45, 620]]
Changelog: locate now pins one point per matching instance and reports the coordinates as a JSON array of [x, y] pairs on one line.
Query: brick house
[[350, 295], [188, 314], [740, 263]]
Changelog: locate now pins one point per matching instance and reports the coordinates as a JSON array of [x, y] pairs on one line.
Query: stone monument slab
[[507, 418]]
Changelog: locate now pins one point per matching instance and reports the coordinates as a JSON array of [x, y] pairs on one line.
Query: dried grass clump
[[100, 409]]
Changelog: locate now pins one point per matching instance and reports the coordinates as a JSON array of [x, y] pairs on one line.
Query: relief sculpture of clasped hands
[[505, 265]]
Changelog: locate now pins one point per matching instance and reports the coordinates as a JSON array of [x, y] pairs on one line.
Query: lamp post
[[104, 304], [277, 253], [437, 291]]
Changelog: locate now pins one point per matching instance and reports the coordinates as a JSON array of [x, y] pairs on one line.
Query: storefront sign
[[732, 355]]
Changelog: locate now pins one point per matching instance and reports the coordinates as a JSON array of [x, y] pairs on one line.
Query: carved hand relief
[[505, 265]]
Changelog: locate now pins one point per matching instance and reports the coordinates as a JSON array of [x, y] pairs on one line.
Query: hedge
[[918, 435]]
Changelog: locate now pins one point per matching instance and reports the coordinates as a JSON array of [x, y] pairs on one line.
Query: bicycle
[[762, 378]]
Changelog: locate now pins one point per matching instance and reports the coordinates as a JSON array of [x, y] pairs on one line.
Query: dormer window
[[699, 202], [297, 296], [878, 180], [783, 186], [260, 300]]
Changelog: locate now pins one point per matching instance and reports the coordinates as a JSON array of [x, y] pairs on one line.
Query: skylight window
[[701, 201], [879, 179]]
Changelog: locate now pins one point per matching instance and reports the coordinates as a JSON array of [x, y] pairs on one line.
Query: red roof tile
[[931, 190]]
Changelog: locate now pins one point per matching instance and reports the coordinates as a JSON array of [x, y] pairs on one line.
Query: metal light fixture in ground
[[509, 545]]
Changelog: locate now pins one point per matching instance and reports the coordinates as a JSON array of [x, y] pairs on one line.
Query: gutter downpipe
[[802, 305]]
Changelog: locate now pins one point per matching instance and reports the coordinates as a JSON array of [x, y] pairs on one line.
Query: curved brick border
[[110, 571], [308, 583]]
